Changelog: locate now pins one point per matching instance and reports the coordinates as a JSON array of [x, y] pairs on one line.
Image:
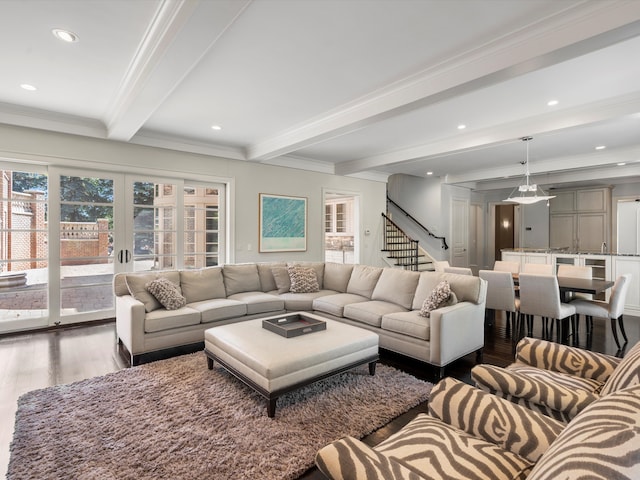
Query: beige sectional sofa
[[384, 300]]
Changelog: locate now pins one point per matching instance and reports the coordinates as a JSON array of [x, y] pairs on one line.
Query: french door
[[93, 225]]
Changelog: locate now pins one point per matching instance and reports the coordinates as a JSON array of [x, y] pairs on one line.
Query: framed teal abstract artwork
[[283, 223]]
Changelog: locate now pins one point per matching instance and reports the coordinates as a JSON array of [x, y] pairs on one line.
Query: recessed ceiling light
[[65, 35], [462, 126], [601, 147], [429, 173], [26, 86], [216, 127], [621, 164], [552, 103]]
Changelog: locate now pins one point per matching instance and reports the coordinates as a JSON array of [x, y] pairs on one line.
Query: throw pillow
[[167, 293], [281, 278], [303, 280], [438, 298]]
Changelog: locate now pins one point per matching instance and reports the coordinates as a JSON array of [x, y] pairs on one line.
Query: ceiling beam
[[572, 32], [503, 133], [180, 34]]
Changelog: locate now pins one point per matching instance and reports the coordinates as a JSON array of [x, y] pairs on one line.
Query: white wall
[[246, 181]]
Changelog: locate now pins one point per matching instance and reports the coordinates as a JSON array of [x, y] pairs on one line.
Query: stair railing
[[402, 248], [442, 239]]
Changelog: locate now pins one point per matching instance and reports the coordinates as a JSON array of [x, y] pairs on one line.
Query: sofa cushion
[[217, 309], [436, 450], [363, 280], [626, 374], [317, 266], [302, 301], [467, 288], [303, 279], [281, 279], [439, 297], [241, 278], [601, 442], [336, 276], [370, 312], [202, 284], [267, 282], [407, 323], [334, 304], [259, 302], [167, 293], [396, 286], [136, 283], [159, 320], [426, 283]]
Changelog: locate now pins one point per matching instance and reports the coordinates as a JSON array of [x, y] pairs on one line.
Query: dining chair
[[613, 309], [540, 296], [504, 266], [538, 268], [501, 295], [575, 271], [440, 265], [459, 270]]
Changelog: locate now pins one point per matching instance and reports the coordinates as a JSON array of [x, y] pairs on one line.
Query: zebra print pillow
[[512, 427], [565, 359], [626, 374], [602, 442]]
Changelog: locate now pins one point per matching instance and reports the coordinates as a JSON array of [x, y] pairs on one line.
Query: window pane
[[79, 189]]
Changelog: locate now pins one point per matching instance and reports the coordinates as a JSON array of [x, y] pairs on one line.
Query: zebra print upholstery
[[468, 434], [558, 380], [601, 443], [490, 438]]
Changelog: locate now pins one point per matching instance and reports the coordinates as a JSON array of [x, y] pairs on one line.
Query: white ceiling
[[352, 87]]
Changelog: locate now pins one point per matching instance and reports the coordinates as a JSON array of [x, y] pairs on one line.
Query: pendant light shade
[[527, 193]]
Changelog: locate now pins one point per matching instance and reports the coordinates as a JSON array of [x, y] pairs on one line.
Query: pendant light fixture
[[528, 193]]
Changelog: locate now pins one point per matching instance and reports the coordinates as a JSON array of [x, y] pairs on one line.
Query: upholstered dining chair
[[613, 309], [459, 270], [501, 295], [504, 266], [540, 296], [539, 268], [575, 271]]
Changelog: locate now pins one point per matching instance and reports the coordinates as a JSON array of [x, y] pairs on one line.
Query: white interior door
[[460, 232]]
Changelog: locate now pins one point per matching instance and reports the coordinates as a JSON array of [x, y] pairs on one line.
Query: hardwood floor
[[41, 359]]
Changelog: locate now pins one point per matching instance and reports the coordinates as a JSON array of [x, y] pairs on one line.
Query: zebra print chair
[[558, 380], [473, 435]]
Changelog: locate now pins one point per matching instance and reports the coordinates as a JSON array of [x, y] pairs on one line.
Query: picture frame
[[282, 223]]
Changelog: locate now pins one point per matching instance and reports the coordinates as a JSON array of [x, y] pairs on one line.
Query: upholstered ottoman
[[274, 365]]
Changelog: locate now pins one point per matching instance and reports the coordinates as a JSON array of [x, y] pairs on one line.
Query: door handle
[[120, 254], [127, 256]]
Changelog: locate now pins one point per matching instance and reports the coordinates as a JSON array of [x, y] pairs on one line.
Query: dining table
[[594, 286]]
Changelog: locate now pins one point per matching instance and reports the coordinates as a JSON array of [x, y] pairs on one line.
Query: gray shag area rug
[[175, 419]]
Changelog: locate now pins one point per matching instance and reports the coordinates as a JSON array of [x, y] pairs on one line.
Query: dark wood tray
[[293, 325]]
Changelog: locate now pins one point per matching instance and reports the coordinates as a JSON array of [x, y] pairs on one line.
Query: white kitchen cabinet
[[580, 219], [629, 264]]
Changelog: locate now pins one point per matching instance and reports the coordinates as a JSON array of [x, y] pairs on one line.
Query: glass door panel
[[201, 226], [86, 232], [23, 249], [154, 226]]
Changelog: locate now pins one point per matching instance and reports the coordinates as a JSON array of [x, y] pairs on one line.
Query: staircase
[[402, 251]]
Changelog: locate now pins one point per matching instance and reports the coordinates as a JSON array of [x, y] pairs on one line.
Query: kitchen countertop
[[567, 251]]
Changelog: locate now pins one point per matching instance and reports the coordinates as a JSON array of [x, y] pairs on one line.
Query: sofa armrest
[[503, 423], [531, 389], [456, 330], [351, 459], [565, 359], [130, 315]]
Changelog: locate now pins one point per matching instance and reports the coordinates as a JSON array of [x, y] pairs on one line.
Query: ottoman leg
[[271, 407], [210, 363], [372, 368]]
